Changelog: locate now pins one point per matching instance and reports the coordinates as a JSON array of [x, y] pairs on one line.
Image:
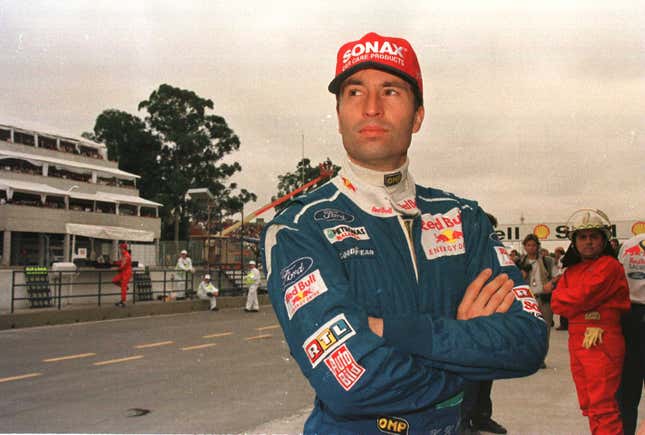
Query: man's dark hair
[[531, 237]]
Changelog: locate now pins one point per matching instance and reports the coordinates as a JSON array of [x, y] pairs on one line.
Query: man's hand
[[484, 300], [376, 325]]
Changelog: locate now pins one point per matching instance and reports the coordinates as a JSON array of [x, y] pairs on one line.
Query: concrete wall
[[52, 220]]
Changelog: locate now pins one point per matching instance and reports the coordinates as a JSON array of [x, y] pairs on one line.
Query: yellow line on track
[[17, 378], [258, 337], [264, 328], [160, 343], [221, 334], [119, 360], [199, 346], [64, 358]]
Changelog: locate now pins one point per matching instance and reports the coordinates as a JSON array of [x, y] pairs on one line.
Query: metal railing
[[227, 278]]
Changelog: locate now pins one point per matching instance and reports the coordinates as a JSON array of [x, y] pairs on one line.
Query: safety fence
[[43, 288]]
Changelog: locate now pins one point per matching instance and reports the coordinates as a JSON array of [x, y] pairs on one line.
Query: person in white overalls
[[252, 279], [208, 291], [184, 264]]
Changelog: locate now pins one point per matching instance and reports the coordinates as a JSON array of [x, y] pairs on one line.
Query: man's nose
[[373, 104]]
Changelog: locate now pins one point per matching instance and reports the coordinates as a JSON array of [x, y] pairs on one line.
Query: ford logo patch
[[333, 215], [296, 270]]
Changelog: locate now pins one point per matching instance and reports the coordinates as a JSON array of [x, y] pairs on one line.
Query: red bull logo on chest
[[442, 234]]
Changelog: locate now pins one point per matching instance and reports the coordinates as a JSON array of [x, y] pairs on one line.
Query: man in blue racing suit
[[390, 294]]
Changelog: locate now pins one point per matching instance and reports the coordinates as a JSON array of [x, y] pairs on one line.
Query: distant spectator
[[184, 265], [208, 291], [632, 256], [558, 269], [252, 279], [539, 271], [615, 245], [125, 273]]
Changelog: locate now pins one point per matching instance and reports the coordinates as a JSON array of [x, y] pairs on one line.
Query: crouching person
[[208, 291]]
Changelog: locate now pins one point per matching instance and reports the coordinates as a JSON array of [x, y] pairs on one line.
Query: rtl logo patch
[[327, 338], [343, 366], [442, 234], [304, 291], [393, 425]]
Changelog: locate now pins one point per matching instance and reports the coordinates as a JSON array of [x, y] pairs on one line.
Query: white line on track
[[64, 358], [119, 360], [199, 346], [265, 328], [17, 378], [258, 337], [159, 343], [220, 334]]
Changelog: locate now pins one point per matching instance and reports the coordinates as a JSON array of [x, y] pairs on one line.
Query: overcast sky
[[532, 109]]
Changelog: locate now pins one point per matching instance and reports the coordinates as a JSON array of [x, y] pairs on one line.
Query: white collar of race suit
[[379, 193]]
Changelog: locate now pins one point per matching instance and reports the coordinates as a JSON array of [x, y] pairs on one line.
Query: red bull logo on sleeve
[[304, 291], [442, 234], [327, 338], [503, 257], [343, 366]]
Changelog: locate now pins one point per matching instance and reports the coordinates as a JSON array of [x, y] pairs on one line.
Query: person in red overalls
[[125, 273], [593, 294]]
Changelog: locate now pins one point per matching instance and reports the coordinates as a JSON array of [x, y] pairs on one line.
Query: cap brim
[[334, 85]]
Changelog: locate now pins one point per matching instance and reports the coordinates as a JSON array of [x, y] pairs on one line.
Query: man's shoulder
[[433, 198], [322, 198]]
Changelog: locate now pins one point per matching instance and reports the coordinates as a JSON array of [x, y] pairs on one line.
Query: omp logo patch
[[529, 304], [342, 232], [393, 425], [333, 215], [304, 291], [343, 366], [503, 257], [442, 234], [327, 338], [392, 179], [295, 270]]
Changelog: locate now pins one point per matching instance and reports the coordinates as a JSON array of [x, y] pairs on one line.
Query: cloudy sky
[[532, 109]]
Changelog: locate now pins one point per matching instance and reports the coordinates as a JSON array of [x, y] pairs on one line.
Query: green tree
[[177, 146], [303, 174], [193, 143], [129, 141]]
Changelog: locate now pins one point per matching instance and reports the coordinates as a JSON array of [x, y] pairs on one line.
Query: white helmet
[[588, 219], [183, 251], [207, 276]]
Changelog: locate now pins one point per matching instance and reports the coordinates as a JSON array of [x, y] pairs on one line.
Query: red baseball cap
[[393, 55]]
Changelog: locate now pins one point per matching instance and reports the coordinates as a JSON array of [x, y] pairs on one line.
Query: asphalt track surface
[[203, 372]]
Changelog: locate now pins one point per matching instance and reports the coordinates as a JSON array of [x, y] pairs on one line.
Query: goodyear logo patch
[[333, 215], [442, 234], [343, 232], [503, 257], [343, 366], [327, 338], [356, 252], [303, 291], [393, 425], [294, 271]]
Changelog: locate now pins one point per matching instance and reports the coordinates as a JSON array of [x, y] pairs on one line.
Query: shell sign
[[541, 231], [638, 228]]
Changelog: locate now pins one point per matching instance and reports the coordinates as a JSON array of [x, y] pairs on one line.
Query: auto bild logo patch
[[342, 232], [442, 234], [294, 271], [303, 291], [333, 215], [343, 366], [327, 338]]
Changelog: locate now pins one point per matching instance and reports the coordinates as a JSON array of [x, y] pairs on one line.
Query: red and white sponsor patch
[[442, 234], [529, 304], [303, 291], [503, 257], [343, 366]]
